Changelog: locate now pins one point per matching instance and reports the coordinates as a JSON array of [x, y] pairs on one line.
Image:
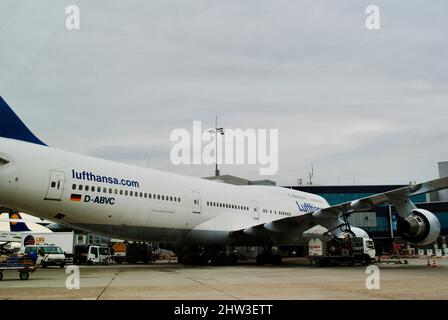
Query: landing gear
[[220, 259], [193, 258], [269, 257], [202, 256]]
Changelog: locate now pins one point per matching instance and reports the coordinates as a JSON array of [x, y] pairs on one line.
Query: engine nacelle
[[420, 227]]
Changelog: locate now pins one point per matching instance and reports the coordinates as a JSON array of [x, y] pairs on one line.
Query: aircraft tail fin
[[17, 226], [12, 127]]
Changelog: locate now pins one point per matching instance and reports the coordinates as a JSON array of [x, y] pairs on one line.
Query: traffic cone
[[434, 263]]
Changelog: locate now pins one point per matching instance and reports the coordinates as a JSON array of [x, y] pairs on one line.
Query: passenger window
[[131, 193], [87, 188], [141, 195], [80, 187], [73, 187], [126, 192], [171, 198], [121, 191], [98, 189], [149, 195], [104, 190], [110, 190], [116, 191], [158, 197], [146, 195]]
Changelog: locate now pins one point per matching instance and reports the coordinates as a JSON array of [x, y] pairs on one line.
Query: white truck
[[64, 240], [336, 251], [91, 255], [46, 255]]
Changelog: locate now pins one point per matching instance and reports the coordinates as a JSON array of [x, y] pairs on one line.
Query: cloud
[[368, 105]]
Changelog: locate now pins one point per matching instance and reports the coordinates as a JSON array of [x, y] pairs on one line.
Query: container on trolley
[[22, 264]]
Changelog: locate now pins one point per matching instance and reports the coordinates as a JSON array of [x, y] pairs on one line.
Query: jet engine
[[419, 227]]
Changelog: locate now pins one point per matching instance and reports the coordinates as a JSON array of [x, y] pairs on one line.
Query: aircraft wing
[[298, 224], [392, 196]]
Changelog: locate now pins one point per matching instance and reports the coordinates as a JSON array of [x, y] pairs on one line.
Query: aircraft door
[[56, 186], [196, 202], [256, 210]]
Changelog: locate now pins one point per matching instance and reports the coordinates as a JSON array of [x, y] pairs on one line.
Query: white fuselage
[[51, 183]]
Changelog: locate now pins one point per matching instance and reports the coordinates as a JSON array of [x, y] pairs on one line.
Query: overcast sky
[[365, 107]]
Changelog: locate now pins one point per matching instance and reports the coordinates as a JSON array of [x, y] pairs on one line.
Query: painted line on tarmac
[[110, 282]]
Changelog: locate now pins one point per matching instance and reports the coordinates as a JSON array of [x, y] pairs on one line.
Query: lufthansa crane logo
[[14, 216]]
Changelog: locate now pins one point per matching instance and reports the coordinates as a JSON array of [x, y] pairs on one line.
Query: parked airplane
[[133, 203], [12, 225], [20, 222]]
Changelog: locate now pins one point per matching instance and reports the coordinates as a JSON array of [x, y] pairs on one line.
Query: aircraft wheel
[[276, 259], [261, 260], [220, 260]]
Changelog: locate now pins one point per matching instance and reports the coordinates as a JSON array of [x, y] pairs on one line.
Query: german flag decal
[[75, 197]]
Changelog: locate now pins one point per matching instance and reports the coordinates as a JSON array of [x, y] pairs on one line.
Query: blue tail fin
[[12, 127], [17, 226]]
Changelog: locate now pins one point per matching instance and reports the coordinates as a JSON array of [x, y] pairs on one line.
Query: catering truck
[[326, 251], [64, 240]]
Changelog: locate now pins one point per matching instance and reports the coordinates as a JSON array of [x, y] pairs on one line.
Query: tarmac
[[294, 279]]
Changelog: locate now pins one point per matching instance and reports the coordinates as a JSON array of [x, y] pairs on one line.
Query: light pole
[[216, 131]]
